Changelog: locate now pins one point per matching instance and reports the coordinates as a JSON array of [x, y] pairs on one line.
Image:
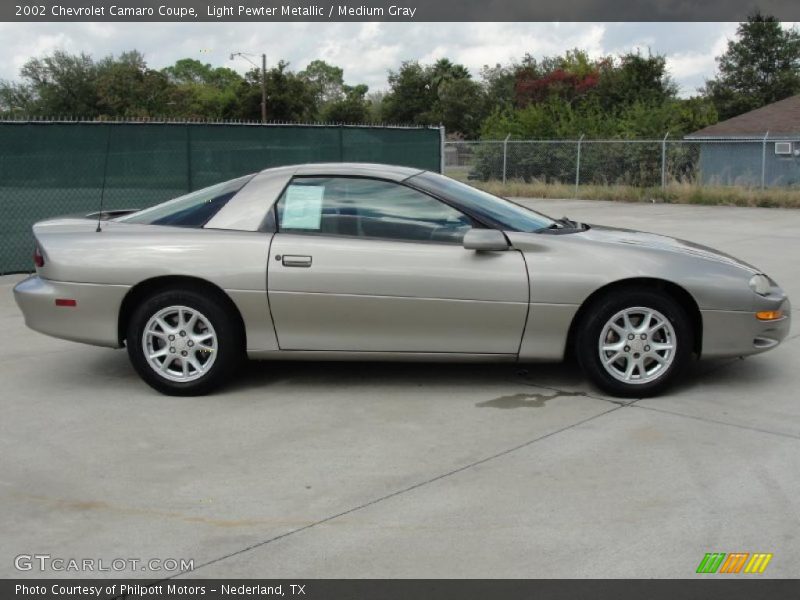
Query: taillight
[[38, 259]]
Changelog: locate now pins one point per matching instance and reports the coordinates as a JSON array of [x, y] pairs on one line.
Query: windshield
[[192, 210], [482, 204]]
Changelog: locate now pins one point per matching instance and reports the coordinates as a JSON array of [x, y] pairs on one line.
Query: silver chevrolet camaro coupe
[[375, 262]]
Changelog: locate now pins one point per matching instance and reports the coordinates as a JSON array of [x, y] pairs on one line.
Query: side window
[[192, 210], [367, 208]]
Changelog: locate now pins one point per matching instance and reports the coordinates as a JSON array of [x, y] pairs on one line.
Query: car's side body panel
[[391, 296], [92, 319], [545, 336], [343, 265], [341, 322], [565, 270], [253, 308], [125, 255]]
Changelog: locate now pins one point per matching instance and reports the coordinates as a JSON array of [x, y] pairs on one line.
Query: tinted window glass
[[192, 210], [367, 208], [482, 204]]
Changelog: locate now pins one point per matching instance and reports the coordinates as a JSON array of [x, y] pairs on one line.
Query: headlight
[[760, 284]]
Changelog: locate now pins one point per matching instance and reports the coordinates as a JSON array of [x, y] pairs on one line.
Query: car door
[[360, 264]]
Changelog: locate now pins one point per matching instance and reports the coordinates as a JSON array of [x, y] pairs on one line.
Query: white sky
[[366, 51]]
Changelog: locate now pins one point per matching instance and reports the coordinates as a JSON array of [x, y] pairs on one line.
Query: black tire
[[228, 343], [593, 325]]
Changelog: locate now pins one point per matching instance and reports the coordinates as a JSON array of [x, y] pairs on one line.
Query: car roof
[[390, 172]]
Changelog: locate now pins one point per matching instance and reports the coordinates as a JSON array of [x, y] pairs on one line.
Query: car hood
[[653, 241]]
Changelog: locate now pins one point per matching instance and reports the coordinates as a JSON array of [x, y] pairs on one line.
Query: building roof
[[780, 119]]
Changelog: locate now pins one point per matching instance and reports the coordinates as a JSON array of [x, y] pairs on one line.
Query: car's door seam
[[269, 308], [528, 310]]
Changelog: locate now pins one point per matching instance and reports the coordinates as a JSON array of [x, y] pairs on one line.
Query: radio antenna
[[105, 174]]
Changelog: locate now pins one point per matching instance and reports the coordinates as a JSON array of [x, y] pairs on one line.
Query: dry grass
[[675, 193]]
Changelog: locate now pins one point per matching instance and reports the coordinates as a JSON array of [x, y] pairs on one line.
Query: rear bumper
[[739, 333], [93, 319]]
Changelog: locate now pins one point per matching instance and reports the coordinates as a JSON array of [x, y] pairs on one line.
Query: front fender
[[565, 270]]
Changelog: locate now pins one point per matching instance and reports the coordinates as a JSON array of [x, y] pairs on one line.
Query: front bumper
[[739, 333], [92, 320]]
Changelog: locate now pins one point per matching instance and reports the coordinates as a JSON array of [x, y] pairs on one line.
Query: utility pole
[[245, 55]]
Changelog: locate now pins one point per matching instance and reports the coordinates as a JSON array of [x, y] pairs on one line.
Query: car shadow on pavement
[[384, 374], [562, 378]]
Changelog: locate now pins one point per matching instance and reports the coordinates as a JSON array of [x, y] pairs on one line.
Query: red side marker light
[[66, 302], [38, 259]]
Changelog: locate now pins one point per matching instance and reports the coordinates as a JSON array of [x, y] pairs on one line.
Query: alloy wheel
[[180, 343], [637, 345]]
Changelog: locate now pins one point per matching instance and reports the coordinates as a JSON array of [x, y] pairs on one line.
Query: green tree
[[443, 70], [375, 106], [351, 108], [458, 100], [326, 80], [459, 106], [633, 78], [334, 100], [443, 92], [410, 94], [125, 87], [198, 90], [57, 85], [761, 66], [628, 96], [498, 86], [78, 86], [188, 71], [290, 97]]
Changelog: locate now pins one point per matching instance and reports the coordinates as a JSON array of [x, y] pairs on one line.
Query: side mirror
[[485, 239]]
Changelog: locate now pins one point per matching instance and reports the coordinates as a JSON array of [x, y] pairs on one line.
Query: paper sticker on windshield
[[302, 207]]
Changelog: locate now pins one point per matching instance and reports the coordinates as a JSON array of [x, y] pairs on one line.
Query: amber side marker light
[[66, 302], [769, 315]]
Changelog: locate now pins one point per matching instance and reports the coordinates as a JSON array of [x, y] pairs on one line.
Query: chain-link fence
[[56, 168], [640, 163]]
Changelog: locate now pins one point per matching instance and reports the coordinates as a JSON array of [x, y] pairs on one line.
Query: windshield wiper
[[564, 225], [566, 222]]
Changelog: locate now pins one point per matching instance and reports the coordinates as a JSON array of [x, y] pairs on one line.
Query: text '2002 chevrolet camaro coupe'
[[375, 262]]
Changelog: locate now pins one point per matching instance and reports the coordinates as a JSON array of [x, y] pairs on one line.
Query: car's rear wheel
[[634, 343], [184, 343]]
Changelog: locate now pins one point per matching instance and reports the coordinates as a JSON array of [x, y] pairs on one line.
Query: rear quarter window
[[192, 210]]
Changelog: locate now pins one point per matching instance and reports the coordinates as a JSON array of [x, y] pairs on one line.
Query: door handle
[[293, 260]]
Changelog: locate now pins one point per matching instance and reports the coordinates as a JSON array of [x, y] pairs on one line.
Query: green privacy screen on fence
[[51, 168]]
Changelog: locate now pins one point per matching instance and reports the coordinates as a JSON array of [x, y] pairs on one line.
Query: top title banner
[[397, 10]]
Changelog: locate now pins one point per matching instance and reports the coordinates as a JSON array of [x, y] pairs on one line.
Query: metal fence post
[[505, 157], [441, 148], [764, 160], [578, 167], [664, 162], [189, 182]]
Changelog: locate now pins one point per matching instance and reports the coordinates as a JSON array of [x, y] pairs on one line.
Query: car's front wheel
[[635, 343], [183, 343]]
